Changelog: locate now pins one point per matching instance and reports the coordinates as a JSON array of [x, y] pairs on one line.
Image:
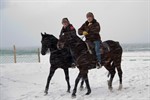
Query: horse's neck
[[54, 47]]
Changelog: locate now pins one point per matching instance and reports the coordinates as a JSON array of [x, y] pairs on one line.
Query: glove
[[85, 33]]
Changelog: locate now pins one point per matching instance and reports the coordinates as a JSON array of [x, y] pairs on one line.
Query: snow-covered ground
[[27, 81]]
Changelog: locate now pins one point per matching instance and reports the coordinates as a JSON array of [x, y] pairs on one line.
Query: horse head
[[48, 42]]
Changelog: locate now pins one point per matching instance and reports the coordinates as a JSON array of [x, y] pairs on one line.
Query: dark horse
[[58, 58], [86, 60]]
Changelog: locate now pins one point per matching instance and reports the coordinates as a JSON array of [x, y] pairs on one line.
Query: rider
[[90, 29], [67, 27]]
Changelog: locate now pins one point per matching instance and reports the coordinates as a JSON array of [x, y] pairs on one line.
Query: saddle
[[104, 48]]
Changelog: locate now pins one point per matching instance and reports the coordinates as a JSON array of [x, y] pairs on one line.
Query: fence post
[[15, 59], [38, 55]]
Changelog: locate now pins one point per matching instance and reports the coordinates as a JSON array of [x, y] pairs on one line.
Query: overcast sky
[[22, 21]]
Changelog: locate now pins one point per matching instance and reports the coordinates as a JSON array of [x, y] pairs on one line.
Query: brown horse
[[111, 59]]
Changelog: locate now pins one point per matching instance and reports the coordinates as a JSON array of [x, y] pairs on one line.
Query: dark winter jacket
[[69, 28], [93, 30]]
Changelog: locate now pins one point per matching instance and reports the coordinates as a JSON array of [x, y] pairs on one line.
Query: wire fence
[[14, 55]]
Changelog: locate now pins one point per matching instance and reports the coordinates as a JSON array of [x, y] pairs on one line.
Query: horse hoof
[[68, 91], [89, 92], [73, 95], [109, 85], [46, 93], [120, 87], [110, 88]]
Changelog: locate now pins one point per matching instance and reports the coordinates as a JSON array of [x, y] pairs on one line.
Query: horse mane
[[49, 39], [51, 35]]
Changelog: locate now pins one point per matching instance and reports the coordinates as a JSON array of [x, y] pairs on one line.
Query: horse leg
[[120, 77], [112, 72], [67, 79], [81, 86], [85, 77], [117, 63], [52, 71], [76, 84]]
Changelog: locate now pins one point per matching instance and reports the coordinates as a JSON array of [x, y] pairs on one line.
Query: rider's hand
[[85, 33]]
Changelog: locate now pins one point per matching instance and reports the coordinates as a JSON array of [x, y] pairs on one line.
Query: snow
[[24, 81]]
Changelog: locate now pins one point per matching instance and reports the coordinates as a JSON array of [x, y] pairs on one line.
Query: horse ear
[[42, 34], [45, 33]]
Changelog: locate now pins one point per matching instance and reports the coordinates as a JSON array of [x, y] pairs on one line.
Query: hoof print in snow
[[36, 96], [147, 85], [62, 94]]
